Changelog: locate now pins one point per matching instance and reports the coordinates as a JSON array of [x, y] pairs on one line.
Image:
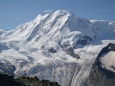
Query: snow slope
[[58, 46]]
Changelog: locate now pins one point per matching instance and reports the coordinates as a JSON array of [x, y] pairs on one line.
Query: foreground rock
[[99, 75], [6, 80]]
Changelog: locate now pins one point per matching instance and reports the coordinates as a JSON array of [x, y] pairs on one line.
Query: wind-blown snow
[[44, 47]]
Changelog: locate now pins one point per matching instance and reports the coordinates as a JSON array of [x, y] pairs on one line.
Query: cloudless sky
[[15, 12]]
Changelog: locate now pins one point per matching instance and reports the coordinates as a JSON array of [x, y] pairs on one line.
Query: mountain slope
[[57, 46]]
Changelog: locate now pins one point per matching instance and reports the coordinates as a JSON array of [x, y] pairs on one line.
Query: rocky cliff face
[[7, 80], [99, 75]]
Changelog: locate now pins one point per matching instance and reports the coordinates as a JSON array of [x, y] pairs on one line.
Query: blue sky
[[15, 12]]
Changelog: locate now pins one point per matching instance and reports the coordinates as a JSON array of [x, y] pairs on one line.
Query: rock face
[[7, 68], [6, 80], [99, 75], [34, 81]]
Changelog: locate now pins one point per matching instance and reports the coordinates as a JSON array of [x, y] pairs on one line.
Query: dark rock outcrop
[[34, 81], [6, 80], [7, 68], [83, 40], [100, 76]]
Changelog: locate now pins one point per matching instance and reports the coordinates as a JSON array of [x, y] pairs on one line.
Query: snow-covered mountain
[[58, 46]]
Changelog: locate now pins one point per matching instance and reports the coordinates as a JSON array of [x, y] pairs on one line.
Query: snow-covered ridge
[[57, 46]]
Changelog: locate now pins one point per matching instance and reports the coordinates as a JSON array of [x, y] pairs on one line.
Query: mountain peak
[[62, 12], [57, 12], [54, 14]]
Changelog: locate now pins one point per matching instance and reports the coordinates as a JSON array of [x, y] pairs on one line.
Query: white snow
[[109, 60]]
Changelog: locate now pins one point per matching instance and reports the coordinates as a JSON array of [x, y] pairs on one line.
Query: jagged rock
[[100, 76], [7, 68], [6, 80]]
